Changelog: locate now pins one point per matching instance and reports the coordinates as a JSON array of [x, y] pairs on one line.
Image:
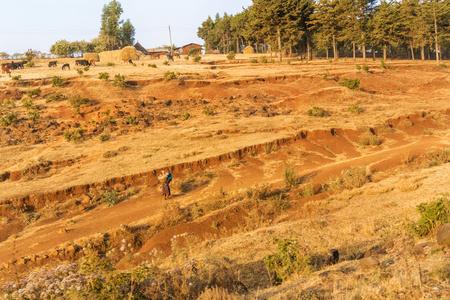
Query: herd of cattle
[[7, 67]]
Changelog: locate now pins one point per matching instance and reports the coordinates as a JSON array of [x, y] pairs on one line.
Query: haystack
[[109, 56], [91, 56], [127, 53], [249, 50]]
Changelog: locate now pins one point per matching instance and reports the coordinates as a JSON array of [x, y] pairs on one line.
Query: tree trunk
[[327, 53], [354, 51], [334, 48], [373, 53], [290, 52], [412, 51], [308, 48], [279, 43], [384, 52], [364, 52], [436, 35], [237, 46], [422, 52]]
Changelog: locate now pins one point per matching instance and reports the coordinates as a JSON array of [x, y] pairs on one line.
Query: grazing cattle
[[65, 66], [52, 64], [82, 62], [18, 65], [6, 70], [174, 54], [92, 62], [155, 55]]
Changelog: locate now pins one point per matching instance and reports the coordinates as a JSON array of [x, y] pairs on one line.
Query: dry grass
[[127, 53]]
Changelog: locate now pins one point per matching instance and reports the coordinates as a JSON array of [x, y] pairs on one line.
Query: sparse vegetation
[[16, 77], [57, 81], [231, 55], [443, 65], [350, 179], [197, 58], [254, 61], [432, 215], [34, 115], [264, 60], [103, 75], [151, 65], [33, 93], [111, 198], [103, 137], [80, 71], [209, 111], [54, 97], [166, 63], [184, 116], [74, 135], [169, 75], [349, 83], [316, 112], [368, 138], [28, 104], [29, 64], [110, 64], [76, 101], [355, 108], [119, 81], [9, 119], [290, 176]]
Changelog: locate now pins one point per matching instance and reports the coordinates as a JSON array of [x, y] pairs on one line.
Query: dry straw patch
[[127, 53], [108, 56], [91, 56]]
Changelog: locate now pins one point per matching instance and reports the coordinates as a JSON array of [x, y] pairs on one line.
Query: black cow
[[52, 64], [65, 66], [17, 65], [82, 62]]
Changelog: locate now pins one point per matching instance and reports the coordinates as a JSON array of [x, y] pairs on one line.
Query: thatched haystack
[[91, 56], [249, 50], [109, 56], [127, 53]]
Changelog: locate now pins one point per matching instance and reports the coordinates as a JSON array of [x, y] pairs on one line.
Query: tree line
[[399, 29]]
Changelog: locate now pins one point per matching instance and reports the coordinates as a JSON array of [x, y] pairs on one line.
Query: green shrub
[[194, 51], [358, 67], [80, 71], [290, 176], [152, 65], [316, 112], [355, 108], [119, 81], [264, 60], [231, 55], [354, 178], [169, 75], [166, 63], [75, 135], [28, 104], [54, 97], [209, 111], [86, 68], [76, 101], [57, 81], [365, 68], [326, 75], [432, 215], [7, 103], [349, 83], [383, 64], [34, 115], [290, 258], [254, 61], [29, 64], [17, 77], [308, 190], [131, 120], [103, 75], [184, 116], [9, 119], [110, 64], [111, 198], [34, 92], [103, 137], [186, 57], [368, 138], [197, 58], [134, 65], [443, 65]]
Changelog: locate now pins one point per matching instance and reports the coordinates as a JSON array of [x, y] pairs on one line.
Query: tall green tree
[[126, 34], [111, 22]]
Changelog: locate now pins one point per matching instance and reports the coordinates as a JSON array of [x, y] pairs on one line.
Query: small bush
[[152, 66], [111, 198], [134, 65], [34, 92], [354, 178], [57, 81], [289, 259], [358, 67], [54, 97], [365, 68], [349, 83], [103, 75], [103, 137], [17, 77], [197, 58], [264, 60], [34, 115], [432, 215], [355, 108], [186, 115], [9, 119], [110, 64], [80, 71], [166, 63], [231, 55], [326, 75], [29, 64], [119, 81], [194, 51], [131, 121], [443, 65], [316, 112], [76, 101], [186, 57], [290, 176], [209, 111], [254, 61], [368, 138], [169, 75], [308, 190], [86, 68], [73, 136], [28, 104]]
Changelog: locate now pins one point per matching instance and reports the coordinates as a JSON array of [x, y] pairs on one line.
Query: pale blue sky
[[37, 24]]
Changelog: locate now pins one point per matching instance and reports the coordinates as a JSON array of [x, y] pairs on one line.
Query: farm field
[[81, 178]]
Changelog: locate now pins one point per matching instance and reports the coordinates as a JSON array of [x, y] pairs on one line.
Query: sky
[[38, 24]]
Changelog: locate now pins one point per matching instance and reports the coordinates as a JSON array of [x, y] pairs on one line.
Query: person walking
[[166, 187]]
